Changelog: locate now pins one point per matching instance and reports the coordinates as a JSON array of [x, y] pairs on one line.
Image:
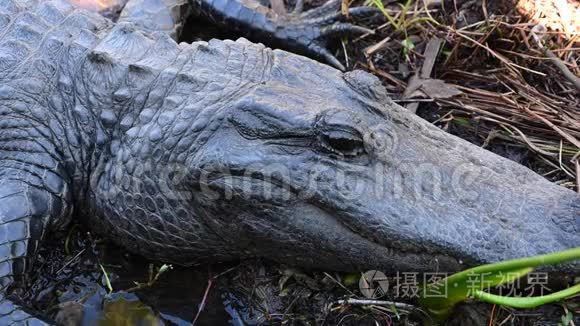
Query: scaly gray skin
[[223, 150]]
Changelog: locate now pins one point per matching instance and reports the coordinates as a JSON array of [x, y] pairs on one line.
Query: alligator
[[221, 150]]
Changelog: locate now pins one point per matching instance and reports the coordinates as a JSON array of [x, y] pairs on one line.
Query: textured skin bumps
[[166, 148]]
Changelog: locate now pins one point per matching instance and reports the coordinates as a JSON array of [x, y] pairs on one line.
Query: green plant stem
[[526, 302], [460, 288], [520, 263]]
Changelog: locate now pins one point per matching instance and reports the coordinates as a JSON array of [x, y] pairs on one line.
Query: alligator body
[[222, 150]]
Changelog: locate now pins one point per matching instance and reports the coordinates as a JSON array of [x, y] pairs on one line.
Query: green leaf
[[351, 279], [567, 318], [408, 44], [461, 121]]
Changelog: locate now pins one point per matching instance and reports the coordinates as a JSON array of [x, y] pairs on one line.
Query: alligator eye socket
[[342, 143]]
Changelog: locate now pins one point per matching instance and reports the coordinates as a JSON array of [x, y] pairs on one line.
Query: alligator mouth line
[[250, 178], [243, 176], [410, 249]]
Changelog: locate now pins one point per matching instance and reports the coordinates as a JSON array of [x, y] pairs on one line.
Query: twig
[[577, 163], [491, 315], [363, 302], [152, 278], [291, 305], [527, 141], [484, 9], [565, 71], [337, 282], [373, 48], [565, 135], [346, 60], [70, 261], [385, 75], [501, 58], [562, 167], [202, 304], [344, 8], [537, 34]]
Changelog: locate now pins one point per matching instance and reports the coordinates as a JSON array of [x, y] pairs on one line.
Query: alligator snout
[[340, 177]]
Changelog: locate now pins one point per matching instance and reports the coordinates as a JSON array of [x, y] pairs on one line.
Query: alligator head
[[322, 169], [308, 165]]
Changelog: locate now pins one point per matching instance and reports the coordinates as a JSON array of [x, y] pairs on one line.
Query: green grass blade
[[107, 280]]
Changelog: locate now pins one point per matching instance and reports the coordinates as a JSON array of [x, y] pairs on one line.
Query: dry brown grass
[[508, 66]]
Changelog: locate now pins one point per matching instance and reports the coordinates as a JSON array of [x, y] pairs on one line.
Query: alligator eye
[[342, 142]]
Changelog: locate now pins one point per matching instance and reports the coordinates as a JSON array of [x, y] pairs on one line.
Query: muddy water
[[69, 285], [177, 295]]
